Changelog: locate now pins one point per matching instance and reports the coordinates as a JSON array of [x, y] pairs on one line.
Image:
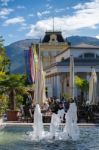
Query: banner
[[32, 65], [27, 66]]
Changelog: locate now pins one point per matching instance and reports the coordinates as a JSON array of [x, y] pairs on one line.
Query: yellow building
[[52, 44]]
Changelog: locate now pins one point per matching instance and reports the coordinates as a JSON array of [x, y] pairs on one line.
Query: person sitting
[[45, 106], [27, 102], [61, 111]]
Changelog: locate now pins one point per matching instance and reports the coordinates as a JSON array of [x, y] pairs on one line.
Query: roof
[[77, 62], [84, 45], [80, 46], [46, 38]]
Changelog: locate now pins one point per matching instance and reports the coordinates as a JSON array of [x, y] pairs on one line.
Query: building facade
[[52, 44], [58, 75], [56, 52]]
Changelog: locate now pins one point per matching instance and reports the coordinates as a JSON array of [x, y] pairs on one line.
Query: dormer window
[[53, 38]]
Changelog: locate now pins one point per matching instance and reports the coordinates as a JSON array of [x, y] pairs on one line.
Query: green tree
[[83, 85], [12, 84], [65, 96], [3, 103], [1, 44], [4, 61]]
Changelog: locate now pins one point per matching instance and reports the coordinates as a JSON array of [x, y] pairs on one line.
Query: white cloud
[[31, 15], [97, 36], [40, 14], [3, 17], [85, 16], [79, 6], [5, 2], [5, 11], [12, 21], [48, 6], [24, 24], [36, 31], [11, 35], [59, 10], [22, 28], [21, 7]]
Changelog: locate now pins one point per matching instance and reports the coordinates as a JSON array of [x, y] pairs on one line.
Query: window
[[81, 56], [42, 54], [53, 38], [62, 59], [97, 56], [89, 55], [45, 54]]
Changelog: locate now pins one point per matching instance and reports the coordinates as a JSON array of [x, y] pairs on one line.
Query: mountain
[[77, 40], [15, 51]]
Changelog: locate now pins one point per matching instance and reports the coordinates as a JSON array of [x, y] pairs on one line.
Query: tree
[[83, 85], [1, 44], [4, 61], [12, 84], [3, 103]]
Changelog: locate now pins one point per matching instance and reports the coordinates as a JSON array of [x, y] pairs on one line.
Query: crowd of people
[[52, 105]]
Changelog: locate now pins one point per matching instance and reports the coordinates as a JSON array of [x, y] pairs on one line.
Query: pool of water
[[16, 138]]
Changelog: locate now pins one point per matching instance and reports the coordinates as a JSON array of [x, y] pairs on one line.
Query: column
[[58, 86]]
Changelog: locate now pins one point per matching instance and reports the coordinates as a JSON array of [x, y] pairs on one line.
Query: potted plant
[[13, 84]]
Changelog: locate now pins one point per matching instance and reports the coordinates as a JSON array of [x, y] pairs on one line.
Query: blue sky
[[24, 19]]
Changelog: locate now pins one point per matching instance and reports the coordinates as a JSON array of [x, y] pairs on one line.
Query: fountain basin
[[16, 137]]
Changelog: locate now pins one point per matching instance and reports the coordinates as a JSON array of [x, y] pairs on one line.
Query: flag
[[32, 65], [27, 64], [35, 54], [35, 58]]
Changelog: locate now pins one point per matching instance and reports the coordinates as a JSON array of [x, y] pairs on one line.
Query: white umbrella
[[92, 88], [42, 96], [36, 90], [39, 93], [71, 81]]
